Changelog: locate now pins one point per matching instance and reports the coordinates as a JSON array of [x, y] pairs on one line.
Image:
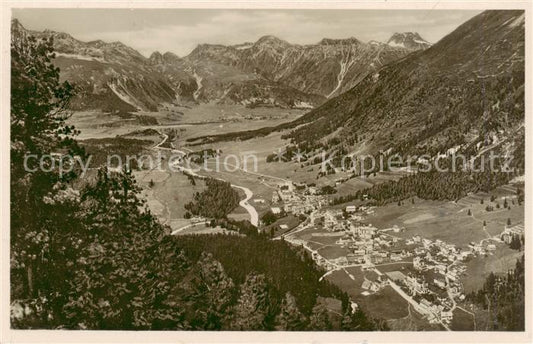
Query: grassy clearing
[[404, 267], [462, 321], [430, 219], [325, 240], [352, 186], [386, 304], [208, 112], [173, 192], [314, 245], [202, 119], [333, 252], [413, 322], [502, 260], [447, 221], [343, 281], [307, 234]]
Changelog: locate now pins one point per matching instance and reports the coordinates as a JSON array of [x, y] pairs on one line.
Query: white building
[[350, 209], [439, 283], [446, 315], [418, 264]]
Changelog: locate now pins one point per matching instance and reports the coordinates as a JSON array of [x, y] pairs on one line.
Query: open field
[[308, 235], [431, 220], [314, 245], [333, 252], [325, 240], [353, 185], [412, 322], [261, 147], [501, 261], [404, 267], [209, 112], [197, 120], [171, 190], [385, 304], [448, 221], [346, 283], [462, 321]]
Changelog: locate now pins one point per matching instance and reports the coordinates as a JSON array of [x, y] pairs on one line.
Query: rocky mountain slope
[[115, 77], [408, 40], [269, 72], [108, 76], [463, 94], [328, 68], [216, 77], [465, 91]]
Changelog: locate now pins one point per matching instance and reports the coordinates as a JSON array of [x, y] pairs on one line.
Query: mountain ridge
[[466, 86], [464, 92], [268, 72], [408, 40], [327, 68]]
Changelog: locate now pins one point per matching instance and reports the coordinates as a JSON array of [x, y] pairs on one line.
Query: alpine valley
[[344, 185]]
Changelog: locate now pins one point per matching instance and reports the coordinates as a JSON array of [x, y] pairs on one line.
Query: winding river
[[254, 216]]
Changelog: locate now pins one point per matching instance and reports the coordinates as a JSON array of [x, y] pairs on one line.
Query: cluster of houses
[[370, 246], [366, 243], [432, 284], [373, 284], [436, 310], [510, 232], [437, 259], [438, 256], [295, 202]]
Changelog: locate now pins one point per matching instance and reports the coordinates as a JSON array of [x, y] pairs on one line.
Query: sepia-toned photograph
[[266, 169]]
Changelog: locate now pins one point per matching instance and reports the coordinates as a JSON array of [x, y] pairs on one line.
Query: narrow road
[[165, 138], [254, 173], [188, 226], [254, 216], [411, 301]]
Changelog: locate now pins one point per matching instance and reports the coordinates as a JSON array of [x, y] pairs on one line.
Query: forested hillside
[[503, 297]]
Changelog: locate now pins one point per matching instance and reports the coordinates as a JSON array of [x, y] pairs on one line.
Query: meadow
[[450, 221]]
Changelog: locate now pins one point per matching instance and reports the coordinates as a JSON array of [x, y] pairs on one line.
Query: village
[[431, 283]]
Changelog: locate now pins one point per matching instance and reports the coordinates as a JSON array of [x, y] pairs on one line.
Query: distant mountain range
[[465, 91], [325, 69], [269, 72], [468, 85]]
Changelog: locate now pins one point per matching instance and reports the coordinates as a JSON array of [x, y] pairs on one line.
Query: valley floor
[[387, 258]]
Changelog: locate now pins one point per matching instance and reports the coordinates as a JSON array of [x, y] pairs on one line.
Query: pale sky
[[181, 30]]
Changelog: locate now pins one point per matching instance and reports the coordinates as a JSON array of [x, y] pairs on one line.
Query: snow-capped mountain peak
[[408, 40]]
